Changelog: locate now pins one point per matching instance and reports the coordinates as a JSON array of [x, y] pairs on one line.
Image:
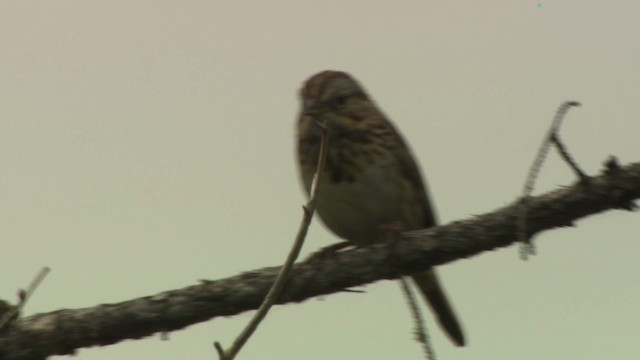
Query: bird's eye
[[340, 100]]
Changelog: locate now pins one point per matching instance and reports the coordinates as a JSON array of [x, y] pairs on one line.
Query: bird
[[370, 183]]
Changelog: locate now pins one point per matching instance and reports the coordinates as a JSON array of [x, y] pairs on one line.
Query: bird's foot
[[328, 251]]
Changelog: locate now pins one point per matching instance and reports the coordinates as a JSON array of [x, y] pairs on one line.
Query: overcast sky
[[146, 145]]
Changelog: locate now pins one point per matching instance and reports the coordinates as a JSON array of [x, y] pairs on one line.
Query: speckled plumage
[[370, 180]]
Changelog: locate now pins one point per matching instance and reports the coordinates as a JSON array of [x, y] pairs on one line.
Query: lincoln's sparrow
[[370, 183]]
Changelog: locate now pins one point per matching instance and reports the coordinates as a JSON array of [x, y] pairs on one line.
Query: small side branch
[[564, 154], [420, 330], [23, 297], [552, 137], [281, 280]]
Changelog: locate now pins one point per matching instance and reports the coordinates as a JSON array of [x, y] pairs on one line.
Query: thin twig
[[527, 248], [420, 330], [564, 153], [23, 297], [283, 275]]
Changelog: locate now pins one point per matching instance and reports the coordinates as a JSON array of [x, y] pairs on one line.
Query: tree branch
[[61, 332]]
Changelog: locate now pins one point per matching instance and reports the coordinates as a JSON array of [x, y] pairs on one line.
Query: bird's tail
[[433, 293]]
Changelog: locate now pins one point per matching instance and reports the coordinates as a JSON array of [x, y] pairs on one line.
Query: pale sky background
[[145, 145]]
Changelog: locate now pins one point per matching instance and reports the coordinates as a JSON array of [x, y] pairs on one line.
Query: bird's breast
[[358, 206]]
